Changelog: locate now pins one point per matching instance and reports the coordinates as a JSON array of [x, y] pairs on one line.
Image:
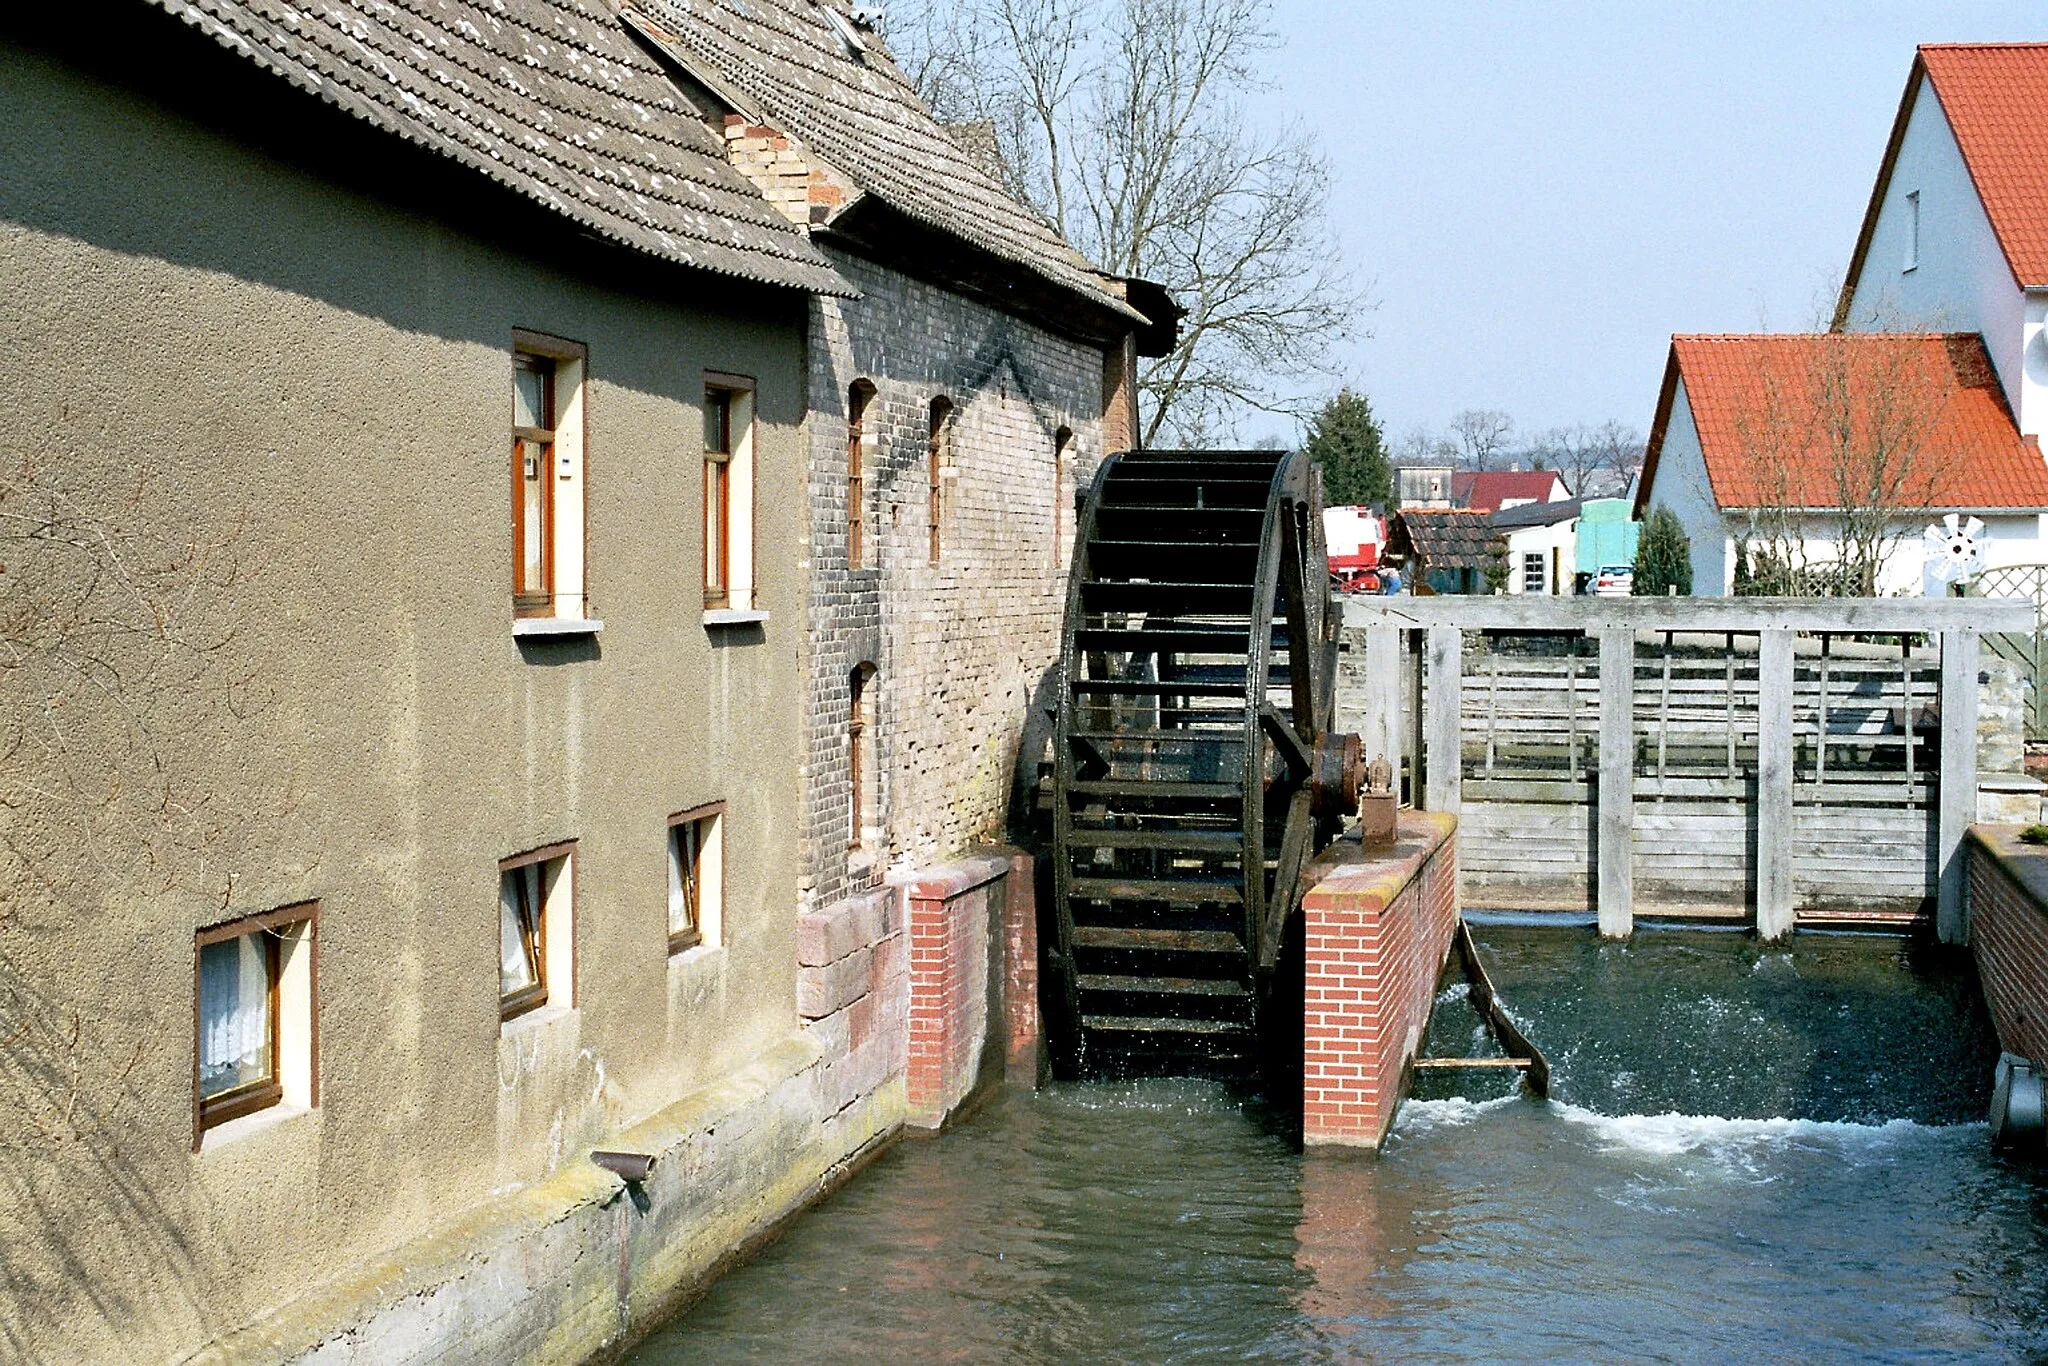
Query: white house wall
[[2005, 540], [1681, 485], [1557, 544], [1960, 281]]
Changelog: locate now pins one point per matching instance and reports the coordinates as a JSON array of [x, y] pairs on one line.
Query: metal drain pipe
[[2018, 1123]]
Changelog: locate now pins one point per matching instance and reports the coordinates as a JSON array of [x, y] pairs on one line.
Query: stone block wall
[[960, 646], [853, 989], [2009, 935], [1376, 933]]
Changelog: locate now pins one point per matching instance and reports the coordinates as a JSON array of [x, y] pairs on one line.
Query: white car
[[1614, 581]]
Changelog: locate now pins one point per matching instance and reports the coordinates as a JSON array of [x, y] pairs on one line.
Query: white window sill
[[555, 626], [220, 1135], [733, 616]]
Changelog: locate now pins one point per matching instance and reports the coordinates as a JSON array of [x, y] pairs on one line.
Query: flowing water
[[1750, 1153]]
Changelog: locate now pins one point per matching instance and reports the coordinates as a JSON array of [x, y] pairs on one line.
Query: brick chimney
[[801, 191]]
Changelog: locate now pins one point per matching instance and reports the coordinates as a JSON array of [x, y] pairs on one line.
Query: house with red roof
[[1492, 490], [1930, 393]]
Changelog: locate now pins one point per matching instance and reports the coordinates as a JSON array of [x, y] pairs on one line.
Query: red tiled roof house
[[1937, 345]]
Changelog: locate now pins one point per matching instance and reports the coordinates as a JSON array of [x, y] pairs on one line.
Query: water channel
[[1751, 1153]]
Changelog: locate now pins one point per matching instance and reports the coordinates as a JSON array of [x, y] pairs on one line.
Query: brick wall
[[2009, 935], [1375, 935], [928, 984], [961, 646]]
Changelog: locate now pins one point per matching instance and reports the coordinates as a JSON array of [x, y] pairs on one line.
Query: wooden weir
[[1732, 757]]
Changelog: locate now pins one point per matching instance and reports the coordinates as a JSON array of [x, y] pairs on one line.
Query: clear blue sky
[[1542, 191]]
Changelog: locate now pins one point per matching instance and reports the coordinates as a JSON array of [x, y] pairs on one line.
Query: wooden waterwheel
[[1194, 770]]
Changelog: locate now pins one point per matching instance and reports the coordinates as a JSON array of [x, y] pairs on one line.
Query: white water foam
[[1672, 1134], [1423, 1116]]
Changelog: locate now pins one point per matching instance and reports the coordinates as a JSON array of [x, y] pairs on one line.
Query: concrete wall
[[225, 352], [1376, 931], [962, 646], [1959, 280]]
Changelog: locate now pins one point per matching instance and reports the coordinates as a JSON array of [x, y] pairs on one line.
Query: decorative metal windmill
[[1953, 553]]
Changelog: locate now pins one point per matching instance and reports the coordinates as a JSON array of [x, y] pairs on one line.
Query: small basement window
[[254, 992], [696, 865], [535, 932]]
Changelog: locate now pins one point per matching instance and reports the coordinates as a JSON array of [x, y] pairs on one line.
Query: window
[[1532, 572], [859, 766], [534, 932], [547, 492], [728, 493], [1062, 445], [1912, 230], [696, 865], [858, 438], [253, 997], [938, 459]]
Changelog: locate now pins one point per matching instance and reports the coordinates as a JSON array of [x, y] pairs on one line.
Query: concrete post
[[1615, 862], [1774, 895], [1381, 733], [1958, 782], [1443, 743]]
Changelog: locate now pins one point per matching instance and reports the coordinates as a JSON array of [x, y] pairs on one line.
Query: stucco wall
[[1558, 568], [1961, 282], [1682, 486], [214, 345], [960, 647]]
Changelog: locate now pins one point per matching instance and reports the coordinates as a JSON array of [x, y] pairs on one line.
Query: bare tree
[[1481, 433], [1617, 448], [1123, 123], [1833, 452]]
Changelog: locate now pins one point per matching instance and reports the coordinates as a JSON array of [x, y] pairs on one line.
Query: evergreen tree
[[1345, 439], [1663, 556]]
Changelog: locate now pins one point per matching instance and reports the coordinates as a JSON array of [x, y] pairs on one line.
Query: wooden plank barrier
[[1781, 759]]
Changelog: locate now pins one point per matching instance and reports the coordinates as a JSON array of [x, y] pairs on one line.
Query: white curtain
[[234, 1013]]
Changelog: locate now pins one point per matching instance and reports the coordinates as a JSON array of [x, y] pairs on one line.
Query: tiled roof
[[1760, 404], [862, 116], [1486, 490], [1445, 538], [553, 98], [1995, 95]]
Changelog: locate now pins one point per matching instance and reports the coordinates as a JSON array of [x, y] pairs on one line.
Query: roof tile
[[1760, 404], [1994, 95], [863, 117], [552, 98]]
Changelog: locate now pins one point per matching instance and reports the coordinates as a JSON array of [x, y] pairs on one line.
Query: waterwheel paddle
[[1194, 769]]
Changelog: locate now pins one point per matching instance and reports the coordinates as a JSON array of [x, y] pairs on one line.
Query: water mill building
[[522, 482]]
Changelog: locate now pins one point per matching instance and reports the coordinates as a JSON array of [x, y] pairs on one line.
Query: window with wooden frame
[[728, 492], [1062, 448], [939, 463], [860, 768], [1532, 571], [859, 398], [547, 488], [535, 938], [254, 1015], [696, 882]]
